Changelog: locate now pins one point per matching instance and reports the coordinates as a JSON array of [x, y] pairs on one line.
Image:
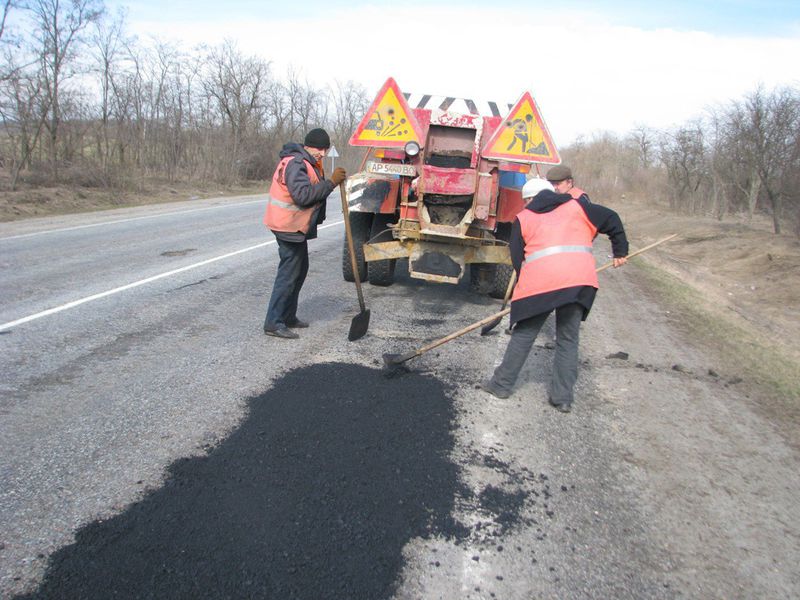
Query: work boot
[[563, 407], [296, 324], [281, 331], [489, 387]]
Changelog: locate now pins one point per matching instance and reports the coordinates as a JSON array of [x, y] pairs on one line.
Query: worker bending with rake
[[551, 250]]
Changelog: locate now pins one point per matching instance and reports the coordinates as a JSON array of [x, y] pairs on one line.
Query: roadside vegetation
[[745, 351], [86, 106], [742, 157]]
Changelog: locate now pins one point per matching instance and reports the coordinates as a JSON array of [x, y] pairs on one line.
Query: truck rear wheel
[[381, 272], [491, 279], [360, 224], [500, 276]]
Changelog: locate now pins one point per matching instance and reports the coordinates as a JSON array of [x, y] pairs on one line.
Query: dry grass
[[49, 201], [742, 348]]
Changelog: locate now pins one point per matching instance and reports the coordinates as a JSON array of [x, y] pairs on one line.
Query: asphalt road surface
[[155, 443]]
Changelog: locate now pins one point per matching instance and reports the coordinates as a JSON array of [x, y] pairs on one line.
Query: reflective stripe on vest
[[556, 250], [286, 205], [282, 214]]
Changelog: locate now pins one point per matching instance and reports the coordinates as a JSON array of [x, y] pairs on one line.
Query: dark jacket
[[302, 191], [604, 219]]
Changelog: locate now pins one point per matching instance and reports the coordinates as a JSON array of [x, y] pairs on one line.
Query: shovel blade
[[489, 326], [359, 326]]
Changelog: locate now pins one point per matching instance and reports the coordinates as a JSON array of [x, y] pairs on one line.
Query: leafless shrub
[[743, 157]]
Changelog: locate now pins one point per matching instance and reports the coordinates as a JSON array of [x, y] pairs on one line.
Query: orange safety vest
[[558, 250], [282, 213], [576, 192]]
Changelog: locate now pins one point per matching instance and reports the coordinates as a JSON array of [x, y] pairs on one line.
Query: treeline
[[741, 157], [84, 103]]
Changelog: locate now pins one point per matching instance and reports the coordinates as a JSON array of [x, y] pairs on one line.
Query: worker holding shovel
[[295, 207], [551, 249]]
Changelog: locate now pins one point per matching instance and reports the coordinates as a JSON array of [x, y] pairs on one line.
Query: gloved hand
[[338, 175]]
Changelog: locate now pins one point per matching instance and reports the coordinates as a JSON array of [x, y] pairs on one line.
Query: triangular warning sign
[[522, 136], [389, 121]]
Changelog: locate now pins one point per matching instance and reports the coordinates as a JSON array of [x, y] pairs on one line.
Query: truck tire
[[381, 272], [360, 224], [500, 276]]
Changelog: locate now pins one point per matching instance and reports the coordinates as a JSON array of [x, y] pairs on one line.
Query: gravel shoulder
[[714, 472]]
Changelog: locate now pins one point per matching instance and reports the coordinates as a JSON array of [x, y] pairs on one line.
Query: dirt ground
[[734, 285], [740, 266]]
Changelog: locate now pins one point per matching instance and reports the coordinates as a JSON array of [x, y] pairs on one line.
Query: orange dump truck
[[440, 185]]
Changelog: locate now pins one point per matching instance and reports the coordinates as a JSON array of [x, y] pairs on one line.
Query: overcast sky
[[591, 66]]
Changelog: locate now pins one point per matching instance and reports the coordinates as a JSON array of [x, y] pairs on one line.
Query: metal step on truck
[[440, 185]]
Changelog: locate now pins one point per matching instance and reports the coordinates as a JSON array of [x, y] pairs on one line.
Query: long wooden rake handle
[[404, 357]]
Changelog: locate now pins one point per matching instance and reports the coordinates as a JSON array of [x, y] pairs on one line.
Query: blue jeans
[[565, 363], [292, 271]]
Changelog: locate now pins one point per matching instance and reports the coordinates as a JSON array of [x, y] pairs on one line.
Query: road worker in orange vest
[[295, 207], [560, 177], [551, 249]]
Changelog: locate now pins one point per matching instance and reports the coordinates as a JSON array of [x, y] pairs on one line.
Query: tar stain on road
[[332, 472]]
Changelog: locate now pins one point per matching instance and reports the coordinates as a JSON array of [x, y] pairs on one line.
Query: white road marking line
[[74, 303], [175, 212]]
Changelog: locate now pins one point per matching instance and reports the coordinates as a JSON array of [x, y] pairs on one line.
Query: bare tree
[[6, 10], [762, 142], [236, 83], [307, 106], [645, 142], [108, 46], [24, 111], [739, 154], [59, 27], [719, 163], [683, 155], [772, 131], [350, 103]]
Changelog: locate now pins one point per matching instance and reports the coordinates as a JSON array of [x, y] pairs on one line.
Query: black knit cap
[[318, 138]]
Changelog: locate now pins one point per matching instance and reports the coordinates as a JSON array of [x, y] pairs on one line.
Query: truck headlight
[[412, 148]]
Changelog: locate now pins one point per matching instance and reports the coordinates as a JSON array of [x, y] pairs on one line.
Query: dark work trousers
[[292, 271], [565, 363]]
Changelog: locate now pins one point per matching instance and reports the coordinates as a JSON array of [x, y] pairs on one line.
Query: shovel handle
[[350, 246]]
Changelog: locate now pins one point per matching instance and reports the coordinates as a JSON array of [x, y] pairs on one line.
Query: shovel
[[391, 361], [488, 327], [360, 323]]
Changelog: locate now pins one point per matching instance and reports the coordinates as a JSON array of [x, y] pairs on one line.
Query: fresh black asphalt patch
[[314, 496]]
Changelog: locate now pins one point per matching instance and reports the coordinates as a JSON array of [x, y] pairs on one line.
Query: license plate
[[391, 169]]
